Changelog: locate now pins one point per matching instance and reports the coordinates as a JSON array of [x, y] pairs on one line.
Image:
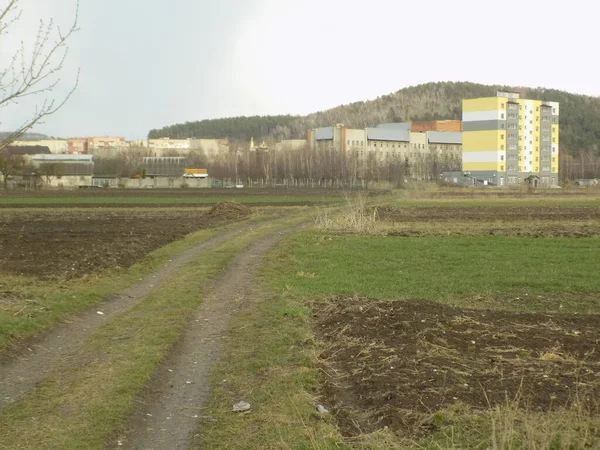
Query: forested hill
[[240, 128], [580, 115]]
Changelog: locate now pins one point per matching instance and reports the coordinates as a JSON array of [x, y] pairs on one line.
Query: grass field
[[440, 340]]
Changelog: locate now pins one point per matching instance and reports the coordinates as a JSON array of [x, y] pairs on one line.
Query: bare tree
[[9, 165], [35, 72]]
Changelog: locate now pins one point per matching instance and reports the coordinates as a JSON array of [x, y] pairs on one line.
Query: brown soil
[[74, 243], [394, 363], [228, 211], [486, 213]]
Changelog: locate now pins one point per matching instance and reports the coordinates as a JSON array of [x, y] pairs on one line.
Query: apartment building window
[[501, 168], [502, 116], [348, 141], [501, 105], [501, 157], [502, 147], [502, 136], [554, 110], [554, 159], [537, 108], [554, 139]]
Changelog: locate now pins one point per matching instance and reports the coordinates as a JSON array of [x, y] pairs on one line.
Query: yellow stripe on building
[[476, 141], [484, 104]]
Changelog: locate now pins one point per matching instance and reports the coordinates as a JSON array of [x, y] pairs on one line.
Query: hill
[[580, 115], [240, 128], [25, 137]]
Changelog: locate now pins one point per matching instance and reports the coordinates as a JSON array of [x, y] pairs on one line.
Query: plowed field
[[394, 363], [72, 243]]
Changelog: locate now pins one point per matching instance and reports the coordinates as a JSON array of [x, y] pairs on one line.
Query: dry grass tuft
[[355, 217]]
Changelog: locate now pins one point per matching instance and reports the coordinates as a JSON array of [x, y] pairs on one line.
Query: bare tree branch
[[35, 73]]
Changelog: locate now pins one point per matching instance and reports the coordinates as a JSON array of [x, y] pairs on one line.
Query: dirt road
[[169, 410], [20, 373]]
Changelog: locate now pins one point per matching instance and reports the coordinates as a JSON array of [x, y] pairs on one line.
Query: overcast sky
[[150, 63]]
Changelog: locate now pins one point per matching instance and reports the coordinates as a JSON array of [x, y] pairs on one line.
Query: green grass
[[279, 373], [187, 200], [460, 270], [82, 406], [495, 202]]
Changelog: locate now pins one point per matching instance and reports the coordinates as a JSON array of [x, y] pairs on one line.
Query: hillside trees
[[32, 72]]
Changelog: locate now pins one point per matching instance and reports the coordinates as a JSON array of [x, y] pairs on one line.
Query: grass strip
[[165, 200], [89, 399], [276, 374], [497, 272]]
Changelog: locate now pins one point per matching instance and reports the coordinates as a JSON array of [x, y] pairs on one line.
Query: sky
[[145, 64]]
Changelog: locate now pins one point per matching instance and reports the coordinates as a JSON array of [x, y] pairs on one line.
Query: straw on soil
[[229, 210]]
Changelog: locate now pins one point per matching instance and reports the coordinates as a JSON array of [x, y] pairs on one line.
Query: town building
[[64, 171], [338, 138], [57, 146], [437, 125], [508, 140], [105, 143], [168, 143], [77, 146], [390, 141], [210, 147], [164, 166]]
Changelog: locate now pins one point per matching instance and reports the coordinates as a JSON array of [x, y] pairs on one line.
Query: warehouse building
[[64, 171]]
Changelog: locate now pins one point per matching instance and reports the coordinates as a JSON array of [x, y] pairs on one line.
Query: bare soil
[[73, 243], [395, 363]]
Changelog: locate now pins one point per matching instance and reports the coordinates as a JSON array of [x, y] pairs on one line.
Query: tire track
[[169, 410], [20, 374]]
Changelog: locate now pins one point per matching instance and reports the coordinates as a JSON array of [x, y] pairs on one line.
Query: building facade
[[105, 143], [57, 146], [437, 125], [507, 139], [64, 171]]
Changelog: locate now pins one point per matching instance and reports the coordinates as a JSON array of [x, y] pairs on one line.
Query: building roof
[[444, 137], [65, 158], [398, 125], [388, 134]]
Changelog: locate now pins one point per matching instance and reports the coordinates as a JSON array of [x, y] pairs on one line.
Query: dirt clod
[[229, 211]]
